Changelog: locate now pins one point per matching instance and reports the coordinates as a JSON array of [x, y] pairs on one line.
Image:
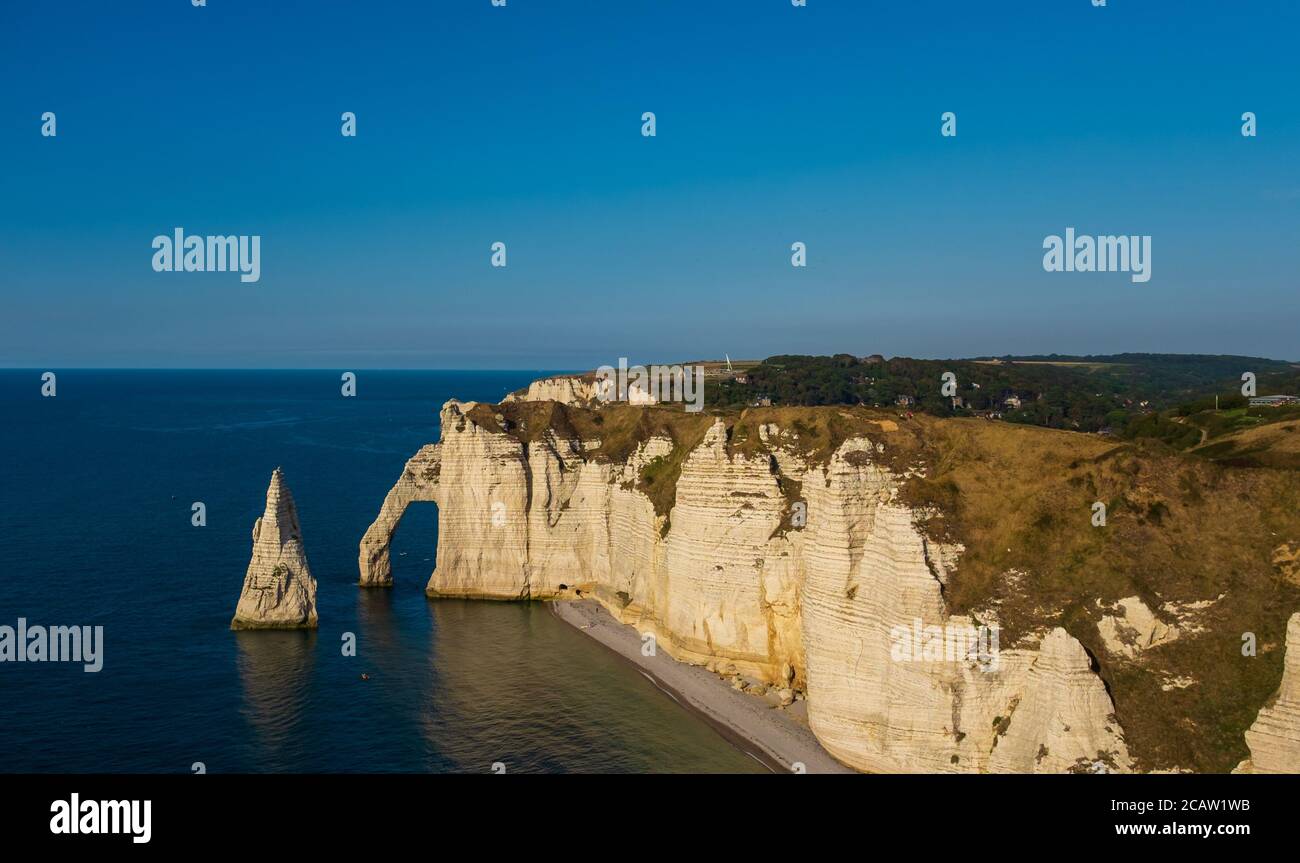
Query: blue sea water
[[96, 488]]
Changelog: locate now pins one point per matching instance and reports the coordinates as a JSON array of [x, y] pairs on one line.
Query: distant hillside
[[1084, 393]]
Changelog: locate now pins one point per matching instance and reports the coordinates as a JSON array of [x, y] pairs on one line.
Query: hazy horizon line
[[572, 369]]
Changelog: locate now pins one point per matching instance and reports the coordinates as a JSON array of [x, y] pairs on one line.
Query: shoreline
[[768, 734]]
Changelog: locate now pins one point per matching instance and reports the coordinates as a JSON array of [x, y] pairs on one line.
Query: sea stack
[[279, 591]]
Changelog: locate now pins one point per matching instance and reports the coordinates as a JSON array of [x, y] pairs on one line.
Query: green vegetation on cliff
[[1086, 393]]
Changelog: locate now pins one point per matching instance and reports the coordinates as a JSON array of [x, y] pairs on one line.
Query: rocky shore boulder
[[279, 591]]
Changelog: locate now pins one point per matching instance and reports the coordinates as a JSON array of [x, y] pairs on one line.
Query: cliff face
[[767, 556], [279, 591], [1274, 739], [565, 389]]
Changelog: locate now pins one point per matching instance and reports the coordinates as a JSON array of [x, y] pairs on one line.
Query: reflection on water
[[376, 618], [514, 684], [456, 685], [274, 669]]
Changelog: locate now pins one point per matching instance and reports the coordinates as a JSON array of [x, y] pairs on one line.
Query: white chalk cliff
[[1134, 629], [1274, 739], [725, 576], [565, 389], [279, 591]]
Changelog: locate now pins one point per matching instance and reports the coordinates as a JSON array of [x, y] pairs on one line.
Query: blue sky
[[522, 124]]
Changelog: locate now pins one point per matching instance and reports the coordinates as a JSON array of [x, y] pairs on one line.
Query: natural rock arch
[[418, 482]]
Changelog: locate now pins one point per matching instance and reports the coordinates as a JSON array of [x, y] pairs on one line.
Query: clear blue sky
[[522, 124]]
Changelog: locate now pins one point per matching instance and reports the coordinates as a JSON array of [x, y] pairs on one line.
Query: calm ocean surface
[[96, 486]]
